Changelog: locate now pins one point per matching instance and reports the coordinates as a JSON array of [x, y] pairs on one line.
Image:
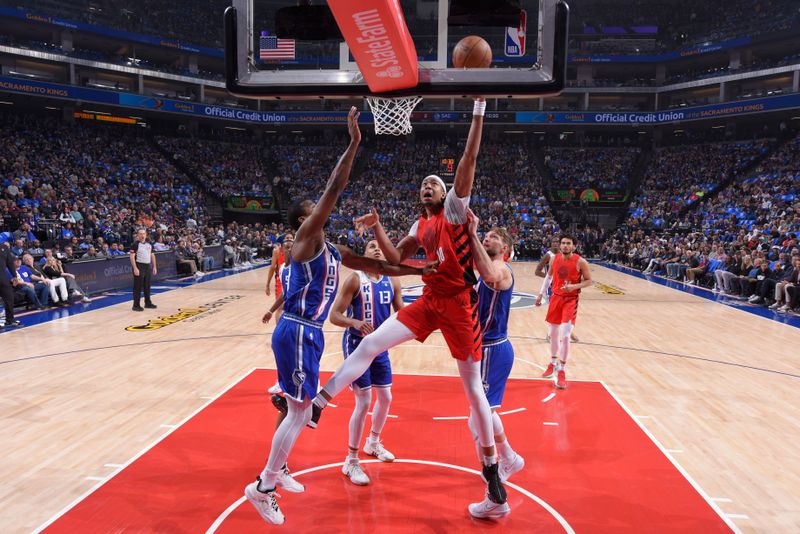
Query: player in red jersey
[[449, 303], [280, 255], [568, 274]]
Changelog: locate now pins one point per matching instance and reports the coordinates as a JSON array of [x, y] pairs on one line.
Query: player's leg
[[381, 377], [497, 362], [389, 334], [352, 467], [494, 504], [298, 374], [564, 333], [553, 320]]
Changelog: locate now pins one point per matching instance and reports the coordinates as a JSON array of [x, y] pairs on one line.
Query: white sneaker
[[265, 503], [488, 509], [86, 300], [287, 482], [509, 468], [274, 390], [376, 449], [783, 309], [352, 470]]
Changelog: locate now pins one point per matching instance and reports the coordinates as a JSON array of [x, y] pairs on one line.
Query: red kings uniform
[[564, 304], [448, 303]]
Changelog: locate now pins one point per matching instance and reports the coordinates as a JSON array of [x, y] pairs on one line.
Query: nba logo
[[515, 37]]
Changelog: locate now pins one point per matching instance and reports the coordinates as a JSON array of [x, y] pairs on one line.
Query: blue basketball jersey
[[312, 285], [372, 302], [284, 275], [493, 308]]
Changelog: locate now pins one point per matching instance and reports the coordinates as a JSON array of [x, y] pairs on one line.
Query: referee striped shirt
[[143, 251]]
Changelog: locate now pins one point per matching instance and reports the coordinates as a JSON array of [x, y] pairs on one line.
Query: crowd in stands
[[681, 23], [743, 242], [599, 168], [680, 175]]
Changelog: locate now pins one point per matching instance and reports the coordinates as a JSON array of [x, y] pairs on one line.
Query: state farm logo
[[391, 72], [519, 301]]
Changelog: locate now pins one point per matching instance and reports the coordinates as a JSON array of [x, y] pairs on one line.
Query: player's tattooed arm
[[354, 261]]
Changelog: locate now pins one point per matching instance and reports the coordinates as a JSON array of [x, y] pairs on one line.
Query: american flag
[[270, 47]]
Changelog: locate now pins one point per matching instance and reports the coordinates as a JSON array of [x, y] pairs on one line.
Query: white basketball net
[[393, 115]]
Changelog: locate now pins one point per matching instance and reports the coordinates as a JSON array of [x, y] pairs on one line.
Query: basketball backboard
[[529, 57]]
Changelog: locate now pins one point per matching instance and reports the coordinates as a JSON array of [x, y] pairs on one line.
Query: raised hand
[[472, 222], [369, 220], [352, 125]]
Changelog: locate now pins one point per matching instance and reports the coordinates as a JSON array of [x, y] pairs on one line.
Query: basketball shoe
[[550, 372], [287, 481], [352, 470], [561, 381], [375, 448], [265, 502], [488, 509], [509, 468]]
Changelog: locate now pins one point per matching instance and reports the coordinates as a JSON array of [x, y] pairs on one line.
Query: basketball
[[472, 52]]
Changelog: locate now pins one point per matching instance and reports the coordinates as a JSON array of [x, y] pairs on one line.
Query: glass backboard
[[275, 48]]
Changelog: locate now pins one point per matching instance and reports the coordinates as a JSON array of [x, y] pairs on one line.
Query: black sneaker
[[316, 412], [494, 488], [280, 404], [13, 324], [136, 307], [150, 306]]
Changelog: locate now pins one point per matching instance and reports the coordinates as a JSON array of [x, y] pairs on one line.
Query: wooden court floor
[[718, 388]]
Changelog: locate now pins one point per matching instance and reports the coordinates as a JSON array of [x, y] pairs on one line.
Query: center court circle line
[[552, 511]]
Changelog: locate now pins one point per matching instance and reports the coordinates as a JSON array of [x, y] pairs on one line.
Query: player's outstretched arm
[[336, 184], [465, 172], [394, 254], [371, 265], [489, 271], [343, 299]]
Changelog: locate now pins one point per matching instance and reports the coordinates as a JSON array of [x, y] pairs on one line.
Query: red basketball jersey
[[565, 272], [449, 244]]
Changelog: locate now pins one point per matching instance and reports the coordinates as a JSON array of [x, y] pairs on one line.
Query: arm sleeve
[[455, 209], [546, 284]]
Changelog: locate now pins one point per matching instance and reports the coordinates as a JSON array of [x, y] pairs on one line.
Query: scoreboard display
[[447, 168]]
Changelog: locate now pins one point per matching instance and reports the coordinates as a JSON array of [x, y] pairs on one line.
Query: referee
[[143, 261], [7, 269]]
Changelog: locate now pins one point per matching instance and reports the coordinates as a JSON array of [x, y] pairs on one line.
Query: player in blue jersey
[[297, 341], [364, 302], [495, 288]]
